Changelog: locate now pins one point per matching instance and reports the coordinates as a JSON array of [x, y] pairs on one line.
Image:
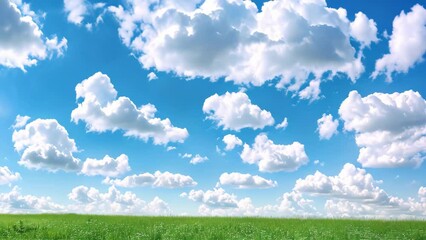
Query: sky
[[285, 108]]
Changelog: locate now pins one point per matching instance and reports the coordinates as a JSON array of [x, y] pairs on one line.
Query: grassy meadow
[[71, 226]]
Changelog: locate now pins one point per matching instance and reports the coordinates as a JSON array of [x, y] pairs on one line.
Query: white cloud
[[355, 193], [198, 159], [240, 180], [283, 125], [158, 179], [286, 40], [7, 176], [107, 167], [170, 148], [235, 111], [91, 200], [347, 209], [20, 121], [312, 91], [218, 202], [157, 207], [22, 42], [55, 46], [89, 27], [15, 202], [152, 76], [45, 144], [243, 207], [422, 194], [363, 29], [195, 159], [231, 141], [292, 204], [76, 10], [214, 198], [272, 157], [390, 128], [351, 183], [318, 162], [102, 111], [406, 45], [351, 193], [327, 127], [186, 155]]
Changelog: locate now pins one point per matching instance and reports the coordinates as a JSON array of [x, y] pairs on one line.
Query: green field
[[71, 226]]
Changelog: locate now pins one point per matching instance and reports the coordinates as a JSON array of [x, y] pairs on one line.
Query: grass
[[72, 226]]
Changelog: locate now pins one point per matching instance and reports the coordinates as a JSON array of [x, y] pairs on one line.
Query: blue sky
[[77, 73]]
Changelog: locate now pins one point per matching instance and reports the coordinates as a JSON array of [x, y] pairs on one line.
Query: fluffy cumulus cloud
[[76, 9], [406, 45], [390, 129], [158, 179], [272, 157], [327, 127], [108, 166], [364, 29], [235, 111], [102, 111], [15, 202], [240, 180], [91, 200], [355, 193], [286, 41], [7, 176], [231, 141], [351, 183], [351, 193], [45, 144], [22, 42], [217, 197], [218, 202]]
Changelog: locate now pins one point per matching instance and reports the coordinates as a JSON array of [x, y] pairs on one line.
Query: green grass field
[[70, 226]]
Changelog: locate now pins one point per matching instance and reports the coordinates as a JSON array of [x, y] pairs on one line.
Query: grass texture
[[72, 226]]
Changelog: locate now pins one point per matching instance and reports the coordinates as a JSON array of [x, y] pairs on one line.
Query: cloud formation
[[218, 202], [283, 125], [390, 129], [7, 176], [107, 167], [406, 44], [102, 111], [235, 111], [45, 144], [76, 9], [272, 157], [240, 180], [363, 29], [285, 41], [158, 179], [91, 200], [231, 141], [350, 183], [15, 202], [327, 127], [355, 193], [22, 43], [195, 158]]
